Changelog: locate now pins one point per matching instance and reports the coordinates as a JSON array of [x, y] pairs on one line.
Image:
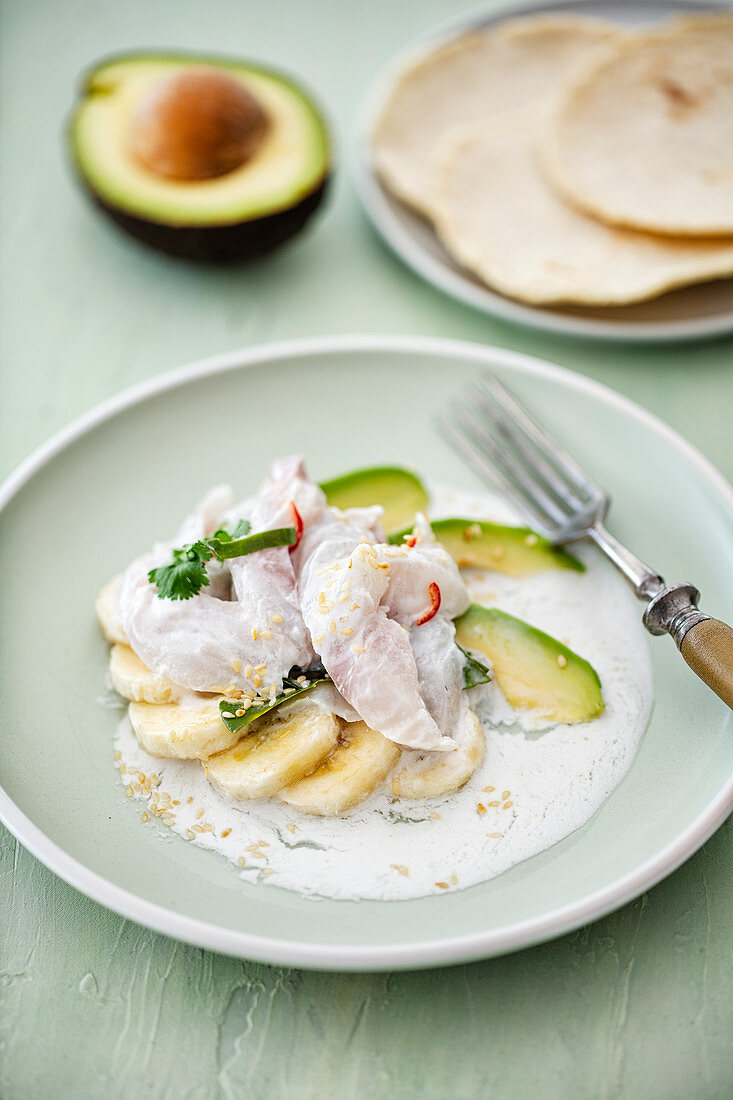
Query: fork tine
[[466, 449], [468, 435], [544, 443], [521, 477], [528, 453]]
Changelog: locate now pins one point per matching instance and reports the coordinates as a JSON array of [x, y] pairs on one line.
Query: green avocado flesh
[[289, 166], [399, 491], [531, 668], [515, 551]]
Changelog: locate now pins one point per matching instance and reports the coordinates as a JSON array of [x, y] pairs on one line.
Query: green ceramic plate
[[93, 497]]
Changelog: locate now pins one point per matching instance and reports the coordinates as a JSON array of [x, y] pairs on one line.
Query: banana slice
[[183, 731], [107, 613], [438, 774], [281, 748], [350, 774], [132, 679]]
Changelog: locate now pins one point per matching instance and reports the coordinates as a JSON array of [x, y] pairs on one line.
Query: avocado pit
[[196, 124]]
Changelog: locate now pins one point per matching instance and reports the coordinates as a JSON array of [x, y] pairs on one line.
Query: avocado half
[[235, 215]]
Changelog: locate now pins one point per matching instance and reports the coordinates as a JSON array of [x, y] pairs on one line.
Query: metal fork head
[[509, 449]]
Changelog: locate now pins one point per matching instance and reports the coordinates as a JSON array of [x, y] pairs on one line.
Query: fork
[[509, 449]]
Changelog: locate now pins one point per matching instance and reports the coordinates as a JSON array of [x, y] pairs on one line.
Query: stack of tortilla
[[566, 160]]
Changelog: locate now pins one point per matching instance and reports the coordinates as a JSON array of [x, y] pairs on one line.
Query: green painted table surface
[[637, 1005]]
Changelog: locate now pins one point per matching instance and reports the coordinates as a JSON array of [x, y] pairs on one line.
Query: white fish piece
[[264, 583], [438, 659], [342, 580], [208, 643]]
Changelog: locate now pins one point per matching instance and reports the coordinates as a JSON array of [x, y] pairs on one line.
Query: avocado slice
[[237, 194], [531, 668], [515, 551], [399, 491]]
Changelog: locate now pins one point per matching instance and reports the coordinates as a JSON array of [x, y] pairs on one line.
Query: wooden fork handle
[[708, 649]]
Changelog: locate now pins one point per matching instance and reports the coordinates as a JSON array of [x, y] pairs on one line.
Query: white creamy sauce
[[535, 786]]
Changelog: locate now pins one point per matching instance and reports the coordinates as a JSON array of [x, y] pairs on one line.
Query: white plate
[[89, 500], [698, 311]]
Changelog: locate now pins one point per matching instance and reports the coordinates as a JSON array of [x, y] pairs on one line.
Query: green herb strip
[[264, 540], [229, 707], [474, 673]]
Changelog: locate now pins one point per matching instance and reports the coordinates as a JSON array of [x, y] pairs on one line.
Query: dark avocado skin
[[217, 244]]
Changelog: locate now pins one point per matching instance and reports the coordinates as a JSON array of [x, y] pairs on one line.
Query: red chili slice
[[411, 541], [434, 605], [298, 522]]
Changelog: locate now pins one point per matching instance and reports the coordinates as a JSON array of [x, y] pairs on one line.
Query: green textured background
[[638, 1005]]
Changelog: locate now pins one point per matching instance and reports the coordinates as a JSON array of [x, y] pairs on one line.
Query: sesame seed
[[236, 664], [189, 799], [189, 834], [507, 805], [434, 816], [488, 790], [266, 634], [325, 609], [242, 861], [347, 631], [480, 809], [454, 879], [257, 681], [562, 660], [254, 633], [355, 607], [400, 868], [276, 618], [505, 794], [318, 638], [118, 756], [144, 816], [332, 627], [442, 885], [321, 597], [267, 871], [129, 792], [248, 672], [493, 803], [290, 827], [357, 649], [199, 815], [495, 836]]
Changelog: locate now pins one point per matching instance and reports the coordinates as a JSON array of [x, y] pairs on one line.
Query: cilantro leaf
[[242, 528], [186, 575]]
